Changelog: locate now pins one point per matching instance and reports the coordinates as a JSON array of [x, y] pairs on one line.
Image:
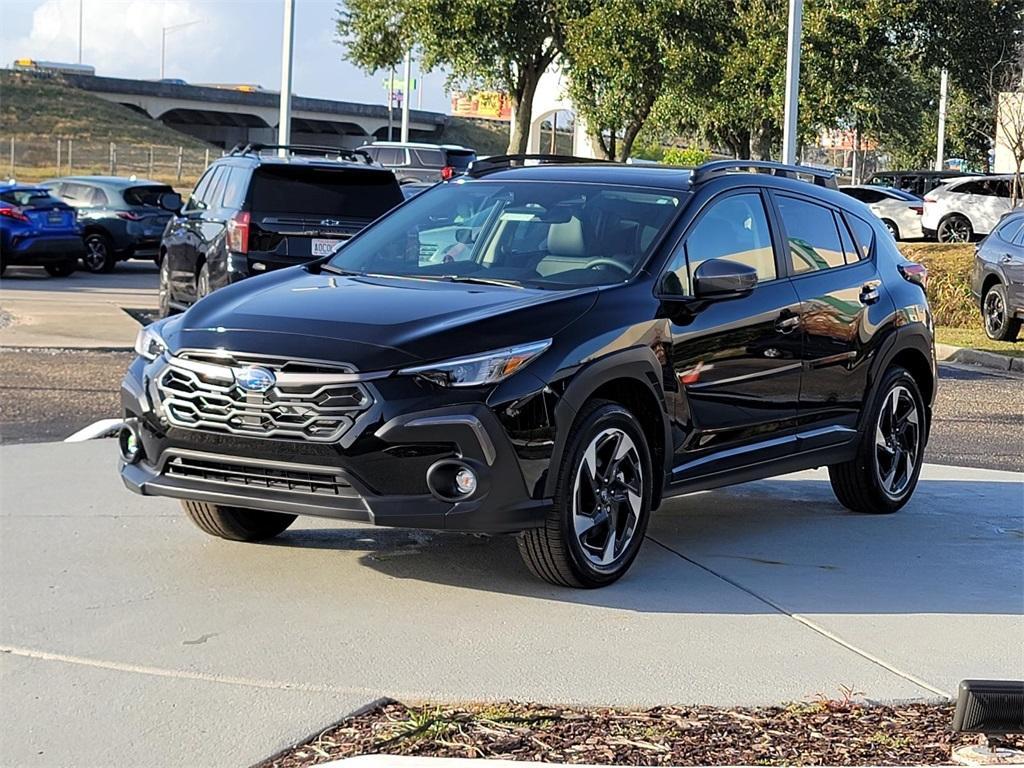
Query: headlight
[[488, 368], [149, 343]]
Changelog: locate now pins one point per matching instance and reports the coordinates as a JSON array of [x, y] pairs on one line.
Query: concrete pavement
[[129, 638], [82, 311]]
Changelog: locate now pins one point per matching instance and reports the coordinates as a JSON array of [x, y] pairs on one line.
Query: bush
[[690, 156], [949, 281]]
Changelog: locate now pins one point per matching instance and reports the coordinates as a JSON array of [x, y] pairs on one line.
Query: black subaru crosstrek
[[254, 211], [595, 339]]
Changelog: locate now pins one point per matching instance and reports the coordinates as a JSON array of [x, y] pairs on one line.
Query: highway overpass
[[226, 117]]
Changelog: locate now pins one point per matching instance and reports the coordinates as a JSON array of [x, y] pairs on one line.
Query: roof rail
[[820, 176], [493, 163], [303, 149]]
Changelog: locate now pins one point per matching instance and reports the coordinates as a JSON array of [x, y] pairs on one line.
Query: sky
[[236, 41]]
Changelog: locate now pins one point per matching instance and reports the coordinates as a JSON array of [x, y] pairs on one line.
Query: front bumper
[[379, 477]]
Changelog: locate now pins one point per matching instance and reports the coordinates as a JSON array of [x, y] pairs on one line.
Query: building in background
[[1009, 132]]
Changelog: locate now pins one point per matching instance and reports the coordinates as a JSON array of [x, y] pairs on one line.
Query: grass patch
[[975, 338], [949, 281]]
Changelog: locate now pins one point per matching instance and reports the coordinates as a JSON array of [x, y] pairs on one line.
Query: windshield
[[536, 234]]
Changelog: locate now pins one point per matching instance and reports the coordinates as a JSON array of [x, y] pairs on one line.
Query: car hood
[[372, 323]]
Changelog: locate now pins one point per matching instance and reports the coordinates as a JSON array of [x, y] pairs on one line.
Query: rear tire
[[997, 315], [955, 229], [602, 502], [63, 269], [99, 254], [882, 477], [893, 229], [236, 523]]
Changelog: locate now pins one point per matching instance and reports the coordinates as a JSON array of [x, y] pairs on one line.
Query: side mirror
[[723, 279], [170, 201], [464, 235]]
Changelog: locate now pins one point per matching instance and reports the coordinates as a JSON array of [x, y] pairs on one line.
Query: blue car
[[37, 229]]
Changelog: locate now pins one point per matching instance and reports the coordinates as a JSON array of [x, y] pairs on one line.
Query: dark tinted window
[[1009, 229], [346, 193], [146, 195], [849, 249], [460, 160], [215, 193], [972, 188], [865, 195], [1000, 187], [235, 187], [429, 158], [813, 237], [734, 228], [864, 233], [391, 156], [28, 198]]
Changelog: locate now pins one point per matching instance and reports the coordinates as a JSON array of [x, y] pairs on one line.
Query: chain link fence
[[32, 160]]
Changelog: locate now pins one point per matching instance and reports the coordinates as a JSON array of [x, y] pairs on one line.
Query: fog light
[[128, 442], [465, 481]]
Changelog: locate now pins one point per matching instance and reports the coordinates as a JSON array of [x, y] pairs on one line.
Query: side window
[[733, 228], [235, 187], [98, 198], [391, 156], [1019, 239], [849, 249], [195, 200], [970, 188], [871, 196], [1000, 187], [812, 234], [429, 158], [865, 235], [215, 192]]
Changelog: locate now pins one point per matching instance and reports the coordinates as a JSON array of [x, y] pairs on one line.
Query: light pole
[[796, 15], [80, 31], [163, 40], [406, 95], [284, 121], [940, 140]]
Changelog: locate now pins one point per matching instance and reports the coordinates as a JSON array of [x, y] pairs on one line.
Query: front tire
[[1000, 324], [165, 309], [955, 229], [882, 477], [602, 502], [99, 254], [203, 282], [236, 523], [63, 269], [893, 229]]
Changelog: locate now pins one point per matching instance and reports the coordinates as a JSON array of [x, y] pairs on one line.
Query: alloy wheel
[[897, 441], [95, 254], [995, 314], [607, 497], [958, 230], [203, 283], [165, 288]]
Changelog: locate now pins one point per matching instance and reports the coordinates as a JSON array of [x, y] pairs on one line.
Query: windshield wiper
[[338, 271], [478, 280]]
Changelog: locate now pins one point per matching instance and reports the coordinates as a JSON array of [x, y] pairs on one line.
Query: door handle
[[869, 293], [787, 323]]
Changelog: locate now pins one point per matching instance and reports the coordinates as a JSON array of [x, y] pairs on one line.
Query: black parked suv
[[413, 161], [607, 336], [254, 211], [121, 216]]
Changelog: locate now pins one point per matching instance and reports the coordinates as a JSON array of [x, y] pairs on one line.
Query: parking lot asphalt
[[129, 638]]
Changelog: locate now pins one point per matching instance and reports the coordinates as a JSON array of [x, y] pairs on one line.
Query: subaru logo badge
[[254, 379]]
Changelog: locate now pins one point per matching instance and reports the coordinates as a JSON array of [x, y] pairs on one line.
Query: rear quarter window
[[864, 233]]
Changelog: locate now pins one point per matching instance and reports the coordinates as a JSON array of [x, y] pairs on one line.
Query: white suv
[[960, 210], [900, 211]]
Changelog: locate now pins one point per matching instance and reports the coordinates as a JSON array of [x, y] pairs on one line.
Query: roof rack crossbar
[[820, 176], [493, 163], [303, 149]]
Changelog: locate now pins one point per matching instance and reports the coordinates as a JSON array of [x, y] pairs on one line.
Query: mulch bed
[[831, 732]]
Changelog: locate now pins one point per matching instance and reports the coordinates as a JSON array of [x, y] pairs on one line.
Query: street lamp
[[163, 40], [796, 19]]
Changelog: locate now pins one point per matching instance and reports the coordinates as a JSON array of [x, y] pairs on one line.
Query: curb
[[947, 353], [403, 761]]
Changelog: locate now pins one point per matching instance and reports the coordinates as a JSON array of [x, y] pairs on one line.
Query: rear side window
[[146, 195], [98, 198], [235, 187], [864, 233], [972, 188], [27, 197], [215, 192], [195, 200], [812, 234], [1009, 230], [391, 156], [460, 160], [734, 228], [344, 193], [429, 158]]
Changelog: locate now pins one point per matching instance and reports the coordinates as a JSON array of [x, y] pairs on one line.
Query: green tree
[[504, 44], [618, 57]]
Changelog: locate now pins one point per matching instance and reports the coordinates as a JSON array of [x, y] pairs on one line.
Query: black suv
[[253, 211], [412, 161], [597, 338], [121, 216]]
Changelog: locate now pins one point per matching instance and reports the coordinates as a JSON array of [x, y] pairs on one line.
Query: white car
[[900, 211], [965, 208]]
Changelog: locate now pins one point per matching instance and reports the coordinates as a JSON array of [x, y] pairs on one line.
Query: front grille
[[307, 401], [276, 477]]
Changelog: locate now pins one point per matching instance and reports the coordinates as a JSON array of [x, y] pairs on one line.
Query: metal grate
[[306, 402], [276, 477]]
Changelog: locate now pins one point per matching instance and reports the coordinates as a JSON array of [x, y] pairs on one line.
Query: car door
[[182, 243], [844, 304], [206, 229], [995, 204], [737, 361], [1009, 255]]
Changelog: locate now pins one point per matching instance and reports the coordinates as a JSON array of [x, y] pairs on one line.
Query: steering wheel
[[606, 262]]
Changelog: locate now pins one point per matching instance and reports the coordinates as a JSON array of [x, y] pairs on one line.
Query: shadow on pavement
[[957, 548]]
